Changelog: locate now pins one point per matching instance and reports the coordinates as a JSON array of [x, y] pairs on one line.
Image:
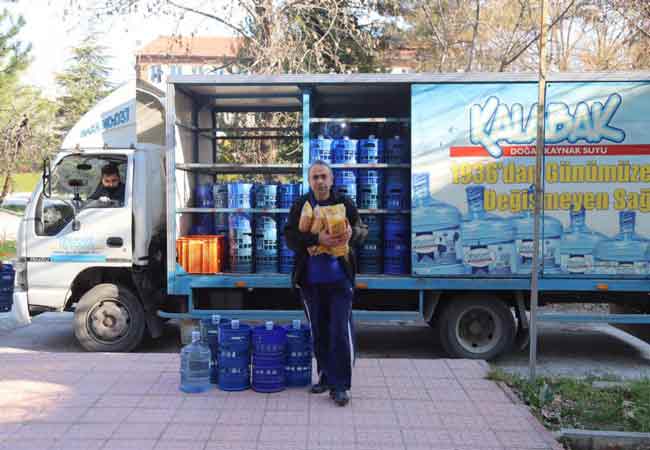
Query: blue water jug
[[195, 366]]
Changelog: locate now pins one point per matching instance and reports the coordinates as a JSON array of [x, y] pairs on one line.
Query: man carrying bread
[[323, 229]]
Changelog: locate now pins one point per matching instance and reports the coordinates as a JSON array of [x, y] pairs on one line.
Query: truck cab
[[84, 244]]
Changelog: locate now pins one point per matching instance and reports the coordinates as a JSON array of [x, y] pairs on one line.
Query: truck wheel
[[476, 328], [109, 318]]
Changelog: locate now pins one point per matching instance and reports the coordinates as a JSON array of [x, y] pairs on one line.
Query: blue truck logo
[[494, 123]]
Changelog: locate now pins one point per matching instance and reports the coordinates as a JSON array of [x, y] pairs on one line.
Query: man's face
[[320, 180], [111, 181]]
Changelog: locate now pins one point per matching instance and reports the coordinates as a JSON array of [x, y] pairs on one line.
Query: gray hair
[[320, 162]]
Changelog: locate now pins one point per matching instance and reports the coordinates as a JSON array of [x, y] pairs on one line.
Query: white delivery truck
[[450, 225]]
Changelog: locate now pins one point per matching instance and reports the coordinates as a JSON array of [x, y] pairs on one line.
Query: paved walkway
[[131, 401]]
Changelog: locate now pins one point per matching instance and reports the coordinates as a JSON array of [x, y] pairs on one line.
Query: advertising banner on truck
[[473, 166]]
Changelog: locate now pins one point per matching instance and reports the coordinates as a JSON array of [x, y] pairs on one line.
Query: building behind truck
[[440, 165]]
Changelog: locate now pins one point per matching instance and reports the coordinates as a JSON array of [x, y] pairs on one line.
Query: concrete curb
[[605, 440]]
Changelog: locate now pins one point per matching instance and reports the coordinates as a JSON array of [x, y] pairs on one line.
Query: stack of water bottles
[[234, 356], [203, 222], [220, 354], [287, 195], [269, 357], [7, 275], [299, 351], [371, 251]]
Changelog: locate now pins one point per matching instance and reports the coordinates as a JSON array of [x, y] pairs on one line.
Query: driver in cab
[[111, 187]]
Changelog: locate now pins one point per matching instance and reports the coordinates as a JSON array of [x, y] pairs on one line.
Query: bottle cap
[[269, 325], [216, 319], [296, 324], [234, 324]]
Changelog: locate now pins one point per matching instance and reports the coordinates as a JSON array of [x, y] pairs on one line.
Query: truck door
[[82, 219]]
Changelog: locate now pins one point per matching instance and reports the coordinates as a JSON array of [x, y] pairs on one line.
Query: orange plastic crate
[[201, 254]]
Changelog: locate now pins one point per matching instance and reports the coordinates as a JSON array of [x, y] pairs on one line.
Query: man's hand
[[329, 240], [335, 240]]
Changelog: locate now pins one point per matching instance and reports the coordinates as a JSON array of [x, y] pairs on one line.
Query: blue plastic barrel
[[344, 151], [266, 244], [266, 196], [240, 243], [396, 245], [269, 358], [203, 222], [287, 257], [7, 276], [220, 195], [240, 195], [288, 194], [370, 176], [320, 149], [396, 151], [345, 183], [369, 196], [396, 189], [299, 355], [234, 356], [210, 335], [371, 150]]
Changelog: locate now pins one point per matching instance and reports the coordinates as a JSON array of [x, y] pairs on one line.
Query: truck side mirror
[[47, 175], [76, 225]]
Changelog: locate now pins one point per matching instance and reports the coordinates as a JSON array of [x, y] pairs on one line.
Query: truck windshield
[[80, 182]]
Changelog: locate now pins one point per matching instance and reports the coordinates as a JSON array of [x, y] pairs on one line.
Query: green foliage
[[14, 54], [26, 182], [7, 250], [575, 403], [84, 82]]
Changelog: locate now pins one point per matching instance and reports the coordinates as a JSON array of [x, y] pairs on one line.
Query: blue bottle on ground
[[626, 253], [7, 276], [487, 240], [210, 336], [435, 235], [195, 366], [575, 254]]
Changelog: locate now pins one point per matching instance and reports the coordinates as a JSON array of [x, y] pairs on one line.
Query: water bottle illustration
[[421, 195], [487, 240], [195, 366], [551, 230], [575, 253], [625, 254], [436, 240]]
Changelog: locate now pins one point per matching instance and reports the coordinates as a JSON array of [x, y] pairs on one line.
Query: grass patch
[[25, 182], [572, 403], [7, 249]]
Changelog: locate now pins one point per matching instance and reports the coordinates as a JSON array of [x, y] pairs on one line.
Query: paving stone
[[185, 431], [134, 444], [139, 431]]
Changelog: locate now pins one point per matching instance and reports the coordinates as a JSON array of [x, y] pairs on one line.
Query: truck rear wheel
[[109, 318], [476, 328]]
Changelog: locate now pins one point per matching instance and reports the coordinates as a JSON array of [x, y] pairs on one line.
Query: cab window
[[80, 182]]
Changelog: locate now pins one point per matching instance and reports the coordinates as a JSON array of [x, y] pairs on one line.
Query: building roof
[[201, 46]]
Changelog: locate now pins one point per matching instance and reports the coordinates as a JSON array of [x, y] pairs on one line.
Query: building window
[[155, 74], [176, 69]]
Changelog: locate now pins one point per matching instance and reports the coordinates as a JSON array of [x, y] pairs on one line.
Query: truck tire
[[109, 318], [476, 328]]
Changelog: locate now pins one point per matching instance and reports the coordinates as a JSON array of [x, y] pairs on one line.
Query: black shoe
[[319, 387], [341, 398]]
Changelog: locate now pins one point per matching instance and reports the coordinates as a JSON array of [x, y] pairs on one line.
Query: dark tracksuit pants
[[329, 311]]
